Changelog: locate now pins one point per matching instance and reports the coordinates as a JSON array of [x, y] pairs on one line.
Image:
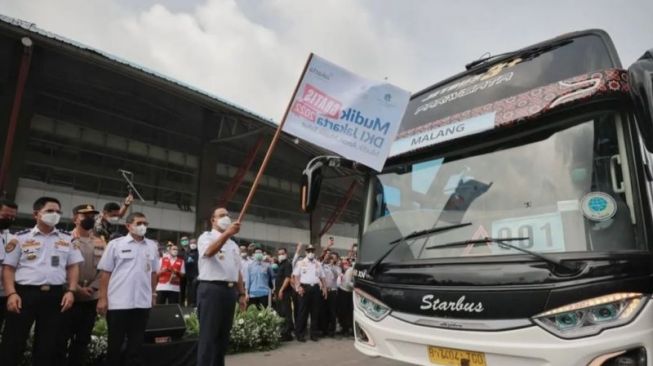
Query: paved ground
[[330, 352]]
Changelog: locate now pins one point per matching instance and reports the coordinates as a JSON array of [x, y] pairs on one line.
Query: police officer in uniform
[[309, 277], [330, 305], [220, 286], [37, 265], [127, 281], [8, 211], [81, 317]]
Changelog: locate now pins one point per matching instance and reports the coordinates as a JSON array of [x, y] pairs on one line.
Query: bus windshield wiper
[[503, 242], [413, 235], [530, 52]]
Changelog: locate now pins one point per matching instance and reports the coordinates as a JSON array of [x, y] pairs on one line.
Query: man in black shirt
[[191, 272], [106, 225], [283, 290]]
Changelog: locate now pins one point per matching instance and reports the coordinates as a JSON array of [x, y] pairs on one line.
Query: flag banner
[[342, 112]]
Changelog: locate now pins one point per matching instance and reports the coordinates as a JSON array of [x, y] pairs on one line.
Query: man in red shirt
[[172, 270]]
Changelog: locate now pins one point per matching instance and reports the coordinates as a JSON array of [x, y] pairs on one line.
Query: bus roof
[[466, 103]]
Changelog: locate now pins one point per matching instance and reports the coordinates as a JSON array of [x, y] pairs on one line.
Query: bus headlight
[[370, 306], [590, 317]]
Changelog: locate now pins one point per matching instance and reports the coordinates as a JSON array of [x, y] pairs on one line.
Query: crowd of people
[[57, 283]]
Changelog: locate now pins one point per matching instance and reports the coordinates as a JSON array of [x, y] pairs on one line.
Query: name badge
[[54, 261]]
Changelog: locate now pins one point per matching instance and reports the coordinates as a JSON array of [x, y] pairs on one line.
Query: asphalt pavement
[[331, 352]]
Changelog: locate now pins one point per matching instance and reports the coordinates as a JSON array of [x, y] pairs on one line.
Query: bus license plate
[[455, 357]]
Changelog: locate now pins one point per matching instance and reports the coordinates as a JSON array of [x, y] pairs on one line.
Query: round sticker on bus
[[598, 206]]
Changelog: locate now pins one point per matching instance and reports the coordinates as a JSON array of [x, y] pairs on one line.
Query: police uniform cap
[[310, 248], [84, 209]]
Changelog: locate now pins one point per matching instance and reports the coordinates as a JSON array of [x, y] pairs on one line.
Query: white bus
[[512, 224]]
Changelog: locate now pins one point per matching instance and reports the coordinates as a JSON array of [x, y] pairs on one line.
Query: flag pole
[[273, 144]]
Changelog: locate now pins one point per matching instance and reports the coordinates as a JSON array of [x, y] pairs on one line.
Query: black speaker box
[[165, 321]]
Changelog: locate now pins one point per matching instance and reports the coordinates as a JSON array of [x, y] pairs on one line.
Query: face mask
[[224, 222], [258, 256], [310, 256], [87, 223], [184, 242], [193, 246], [113, 220], [140, 230], [6, 223], [282, 257], [274, 266], [50, 219], [174, 253], [243, 255]]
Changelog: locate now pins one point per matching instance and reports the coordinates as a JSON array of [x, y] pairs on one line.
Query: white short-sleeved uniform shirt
[[308, 272], [5, 238], [331, 274], [41, 258], [131, 264], [224, 265]]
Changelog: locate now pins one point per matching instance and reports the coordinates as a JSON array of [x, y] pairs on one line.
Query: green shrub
[[253, 330], [256, 329]]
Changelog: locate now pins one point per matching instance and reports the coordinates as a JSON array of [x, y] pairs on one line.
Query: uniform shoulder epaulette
[[66, 232], [23, 232]]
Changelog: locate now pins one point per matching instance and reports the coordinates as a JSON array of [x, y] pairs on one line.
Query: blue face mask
[[274, 266], [258, 256]]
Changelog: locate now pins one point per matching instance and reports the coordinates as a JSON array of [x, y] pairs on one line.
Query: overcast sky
[[250, 52]]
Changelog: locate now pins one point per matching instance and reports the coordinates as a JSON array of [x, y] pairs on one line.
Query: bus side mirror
[[312, 178], [641, 91], [310, 189]]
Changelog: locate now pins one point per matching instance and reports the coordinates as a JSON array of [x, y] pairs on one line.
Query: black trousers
[[191, 291], [261, 301], [328, 314], [3, 310], [309, 303], [182, 291], [345, 310], [126, 326], [216, 304], [76, 334], [284, 309], [167, 297], [42, 307]]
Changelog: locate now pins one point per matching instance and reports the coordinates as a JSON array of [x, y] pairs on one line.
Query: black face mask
[[6, 223], [87, 223]]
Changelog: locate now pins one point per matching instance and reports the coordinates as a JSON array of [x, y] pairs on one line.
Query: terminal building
[[84, 119]]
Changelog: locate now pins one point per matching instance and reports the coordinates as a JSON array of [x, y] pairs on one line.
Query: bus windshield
[[562, 192]]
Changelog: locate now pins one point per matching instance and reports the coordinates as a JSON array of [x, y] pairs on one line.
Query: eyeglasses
[[52, 210], [137, 223]]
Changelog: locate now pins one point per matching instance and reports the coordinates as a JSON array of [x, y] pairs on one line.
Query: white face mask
[[224, 222], [113, 219], [310, 256], [140, 230], [193, 246], [51, 219], [282, 257]]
